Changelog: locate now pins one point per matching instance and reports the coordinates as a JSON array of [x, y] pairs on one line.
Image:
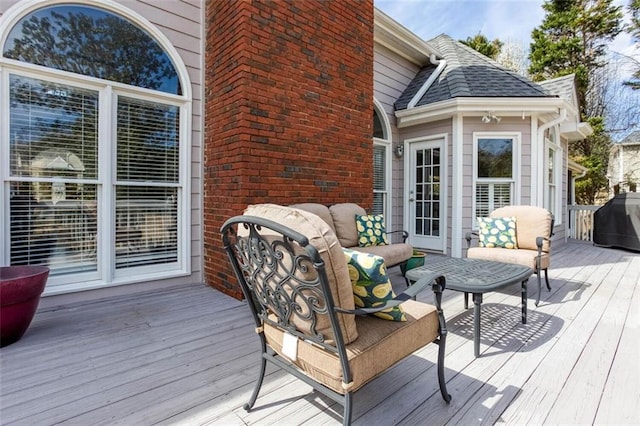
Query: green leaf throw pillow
[[371, 230], [497, 232], [371, 285]]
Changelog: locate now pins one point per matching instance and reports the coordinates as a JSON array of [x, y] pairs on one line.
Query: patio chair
[[533, 230], [293, 271]]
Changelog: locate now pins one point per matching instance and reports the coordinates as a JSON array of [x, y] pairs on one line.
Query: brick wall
[[288, 110]]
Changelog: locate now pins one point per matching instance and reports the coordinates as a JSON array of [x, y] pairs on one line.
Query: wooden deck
[[190, 355]]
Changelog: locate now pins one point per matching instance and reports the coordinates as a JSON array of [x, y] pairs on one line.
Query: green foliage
[[481, 43], [593, 153], [572, 39], [587, 188]]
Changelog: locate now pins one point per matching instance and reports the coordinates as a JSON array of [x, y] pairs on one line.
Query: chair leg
[[346, 416], [252, 401], [546, 278], [441, 380], [539, 287], [403, 272]]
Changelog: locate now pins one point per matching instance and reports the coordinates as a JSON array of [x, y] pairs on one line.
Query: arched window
[[97, 145], [378, 129], [92, 42], [381, 161]]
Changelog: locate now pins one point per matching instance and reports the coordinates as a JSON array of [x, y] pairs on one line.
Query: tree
[[618, 103], [101, 45], [572, 39], [481, 43], [514, 56], [634, 29]]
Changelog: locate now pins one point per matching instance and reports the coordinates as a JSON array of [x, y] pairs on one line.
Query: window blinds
[[53, 175], [147, 179]]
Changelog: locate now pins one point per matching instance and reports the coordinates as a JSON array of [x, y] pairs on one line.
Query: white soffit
[[504, 107], [576, 131], [400, 40]]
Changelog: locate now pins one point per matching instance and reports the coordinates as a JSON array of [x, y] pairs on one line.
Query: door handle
[[411, 200]]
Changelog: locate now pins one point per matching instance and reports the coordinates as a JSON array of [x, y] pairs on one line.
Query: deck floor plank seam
[[189, 355]]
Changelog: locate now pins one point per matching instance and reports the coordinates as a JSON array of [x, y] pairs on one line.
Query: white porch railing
[[581, 222]]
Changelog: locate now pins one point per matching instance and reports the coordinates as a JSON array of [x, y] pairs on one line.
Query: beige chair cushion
[[318, 209], [393, 254], [325, 241], [531, 222], [379, 346], [518, 256], [344, 220]]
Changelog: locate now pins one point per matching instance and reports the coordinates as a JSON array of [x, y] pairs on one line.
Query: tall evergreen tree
[[572, 39], [481, 43], [634, 30]]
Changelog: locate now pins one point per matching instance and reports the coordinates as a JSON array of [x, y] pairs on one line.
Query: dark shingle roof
[[563, 87], [467, 74]]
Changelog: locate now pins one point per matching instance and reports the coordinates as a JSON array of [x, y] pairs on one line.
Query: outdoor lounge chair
[[533, 230], [293, 272]]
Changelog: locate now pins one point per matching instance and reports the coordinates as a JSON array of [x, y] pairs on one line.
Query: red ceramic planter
[[20, 290]]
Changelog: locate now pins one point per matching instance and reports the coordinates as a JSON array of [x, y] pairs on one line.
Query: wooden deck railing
[[581, 222]]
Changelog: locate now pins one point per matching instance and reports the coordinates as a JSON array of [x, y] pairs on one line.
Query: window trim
[[22, 8], [106, 274], [516, 177], [386, 143], [551, 144]]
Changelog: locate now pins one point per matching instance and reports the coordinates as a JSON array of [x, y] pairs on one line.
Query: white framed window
[[553, 174], [95, 143], [381, 163], [496, 171]]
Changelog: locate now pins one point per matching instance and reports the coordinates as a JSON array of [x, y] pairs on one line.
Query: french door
[[426, 194]]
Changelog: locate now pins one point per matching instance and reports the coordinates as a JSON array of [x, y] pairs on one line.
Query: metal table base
[[476, 277]]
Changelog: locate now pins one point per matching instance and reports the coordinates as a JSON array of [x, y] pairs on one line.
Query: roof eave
[[576, 167], [398, 39], [576, 131], [500, 106]]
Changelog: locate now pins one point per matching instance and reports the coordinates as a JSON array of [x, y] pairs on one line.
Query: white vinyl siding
[[392, 73]]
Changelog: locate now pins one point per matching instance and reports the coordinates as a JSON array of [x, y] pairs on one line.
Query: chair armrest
[[404, 233], [435, 280], [468, 237], [539, 242]]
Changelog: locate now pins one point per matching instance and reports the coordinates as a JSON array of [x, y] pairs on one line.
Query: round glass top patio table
[[477, 277]]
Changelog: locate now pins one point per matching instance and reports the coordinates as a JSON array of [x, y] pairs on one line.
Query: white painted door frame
[[426, 192]]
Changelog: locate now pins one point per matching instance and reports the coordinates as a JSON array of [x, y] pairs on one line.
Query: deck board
[[190, 356], [621, 393], [580, 308]]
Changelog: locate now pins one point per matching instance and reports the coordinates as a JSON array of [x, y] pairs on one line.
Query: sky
[[507, 20]]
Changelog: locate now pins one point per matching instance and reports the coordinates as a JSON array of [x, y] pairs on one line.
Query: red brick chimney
[[288, 111]]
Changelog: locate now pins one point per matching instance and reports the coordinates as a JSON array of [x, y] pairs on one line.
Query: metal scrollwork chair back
[[296, 291]]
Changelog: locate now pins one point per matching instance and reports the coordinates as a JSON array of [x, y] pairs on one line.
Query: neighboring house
[[119, 169], [624, 165]]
